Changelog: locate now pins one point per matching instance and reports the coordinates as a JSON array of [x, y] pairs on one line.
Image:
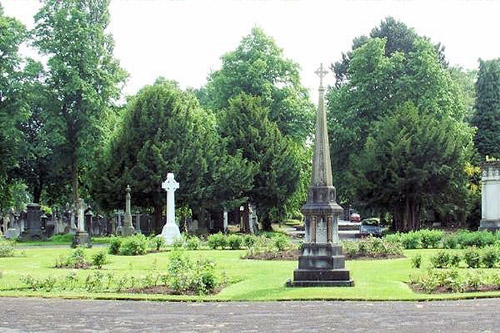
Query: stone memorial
[[81, 238], [490, 192], [170, 230], [12, 230], [128, 228], [321, 262], [32, 226]]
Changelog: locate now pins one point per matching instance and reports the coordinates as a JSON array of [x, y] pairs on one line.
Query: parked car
[[354, 217], [370, 226]]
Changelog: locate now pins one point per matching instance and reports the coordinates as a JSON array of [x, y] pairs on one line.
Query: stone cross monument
[[128, 228], [321, 262], [490, 205], [170, 230]]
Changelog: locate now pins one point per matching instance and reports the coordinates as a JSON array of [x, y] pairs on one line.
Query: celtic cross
[[321, 73]]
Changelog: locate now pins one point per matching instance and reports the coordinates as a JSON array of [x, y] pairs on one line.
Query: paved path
[[44, 315]]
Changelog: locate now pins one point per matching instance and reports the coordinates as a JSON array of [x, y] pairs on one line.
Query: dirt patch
[[447, 290], [77, 266]]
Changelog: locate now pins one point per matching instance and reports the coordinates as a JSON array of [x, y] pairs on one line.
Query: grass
[[252, 280], [62, 240]]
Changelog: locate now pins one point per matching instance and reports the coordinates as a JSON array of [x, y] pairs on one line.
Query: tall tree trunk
[[266, 223], [237, 217]]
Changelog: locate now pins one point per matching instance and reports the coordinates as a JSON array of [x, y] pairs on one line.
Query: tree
[[487, 116], [12, 109], [399, 38], [83, 77], [247, 128], [165, 130], [377, 85], [257, 68], [413, 160]]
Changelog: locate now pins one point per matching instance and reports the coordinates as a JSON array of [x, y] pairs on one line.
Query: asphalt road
[[49, 315]]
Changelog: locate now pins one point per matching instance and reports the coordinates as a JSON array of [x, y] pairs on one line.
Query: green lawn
[[251, 279]]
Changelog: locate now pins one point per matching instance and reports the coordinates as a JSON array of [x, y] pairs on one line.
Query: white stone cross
[[170, 231]]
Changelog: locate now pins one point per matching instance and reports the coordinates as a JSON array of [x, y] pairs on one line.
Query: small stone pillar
[[170, 231], [128, 228], [81, 237], [490, 204]]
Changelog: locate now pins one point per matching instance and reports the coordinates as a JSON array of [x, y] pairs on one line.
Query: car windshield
[[371, 222]]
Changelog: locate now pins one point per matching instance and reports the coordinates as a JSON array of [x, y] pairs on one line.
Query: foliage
[[217, 240], [77, 258], [114, 245], [378, 130], [234, 242], [372, 247], [257, 68], [99, 259], [282, 242], [156, 242], [416, 261], [487, 116], [6, 248], [193, 243], [472, 257], [490, 257], [186, 275], [134, 245], [83, 77]]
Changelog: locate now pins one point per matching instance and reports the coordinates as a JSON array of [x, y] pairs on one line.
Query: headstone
[[193, 226], [32, 228], [490, 195], [119, 223], [138, 223], [81, 238], [321, 262], [170, 231], [128, 228], [12, 232]]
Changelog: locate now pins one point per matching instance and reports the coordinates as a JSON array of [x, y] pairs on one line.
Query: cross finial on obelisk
[[321, 72]]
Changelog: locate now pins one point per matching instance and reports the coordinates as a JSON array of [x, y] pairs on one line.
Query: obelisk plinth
[[321, 262]]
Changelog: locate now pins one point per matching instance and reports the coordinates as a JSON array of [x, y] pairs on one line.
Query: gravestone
[[81, 238], [321, 262], [32, 226], [119, 223], [128, 228], [170, 231], [490, 195]]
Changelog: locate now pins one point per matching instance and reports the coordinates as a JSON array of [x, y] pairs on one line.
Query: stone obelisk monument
[[321, 262], [128, 229]]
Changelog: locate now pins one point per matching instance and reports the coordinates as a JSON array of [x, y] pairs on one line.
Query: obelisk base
[[321, 265], [170, 233], [81, 238]]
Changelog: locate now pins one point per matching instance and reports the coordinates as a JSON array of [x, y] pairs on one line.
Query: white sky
[[183, 40]]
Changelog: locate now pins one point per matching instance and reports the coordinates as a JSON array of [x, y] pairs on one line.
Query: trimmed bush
[[217, 240], [440, 260], [134, 245], [430, 239], [114, 245], [193, 243], [99, 259], [472, 257], [490, 257], [234, 242]]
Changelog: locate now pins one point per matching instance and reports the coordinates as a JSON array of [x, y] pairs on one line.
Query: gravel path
[[55, 315]]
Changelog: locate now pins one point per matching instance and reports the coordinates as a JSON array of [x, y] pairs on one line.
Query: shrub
[[281, 242], [450, 242], [430, 239], [6, 248], [472, 257], [416, 261], [490, 257], [478, 238], [234, 242], [193, 243], [440, 260], [411, 240], [372, 247], [455, 260], [156, 243], [77, 258], [99, 259], [134, 245], [249, 240], [217, 240], [114, 245]]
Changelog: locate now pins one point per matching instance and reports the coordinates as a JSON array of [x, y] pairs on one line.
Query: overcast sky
[[183, 40]]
